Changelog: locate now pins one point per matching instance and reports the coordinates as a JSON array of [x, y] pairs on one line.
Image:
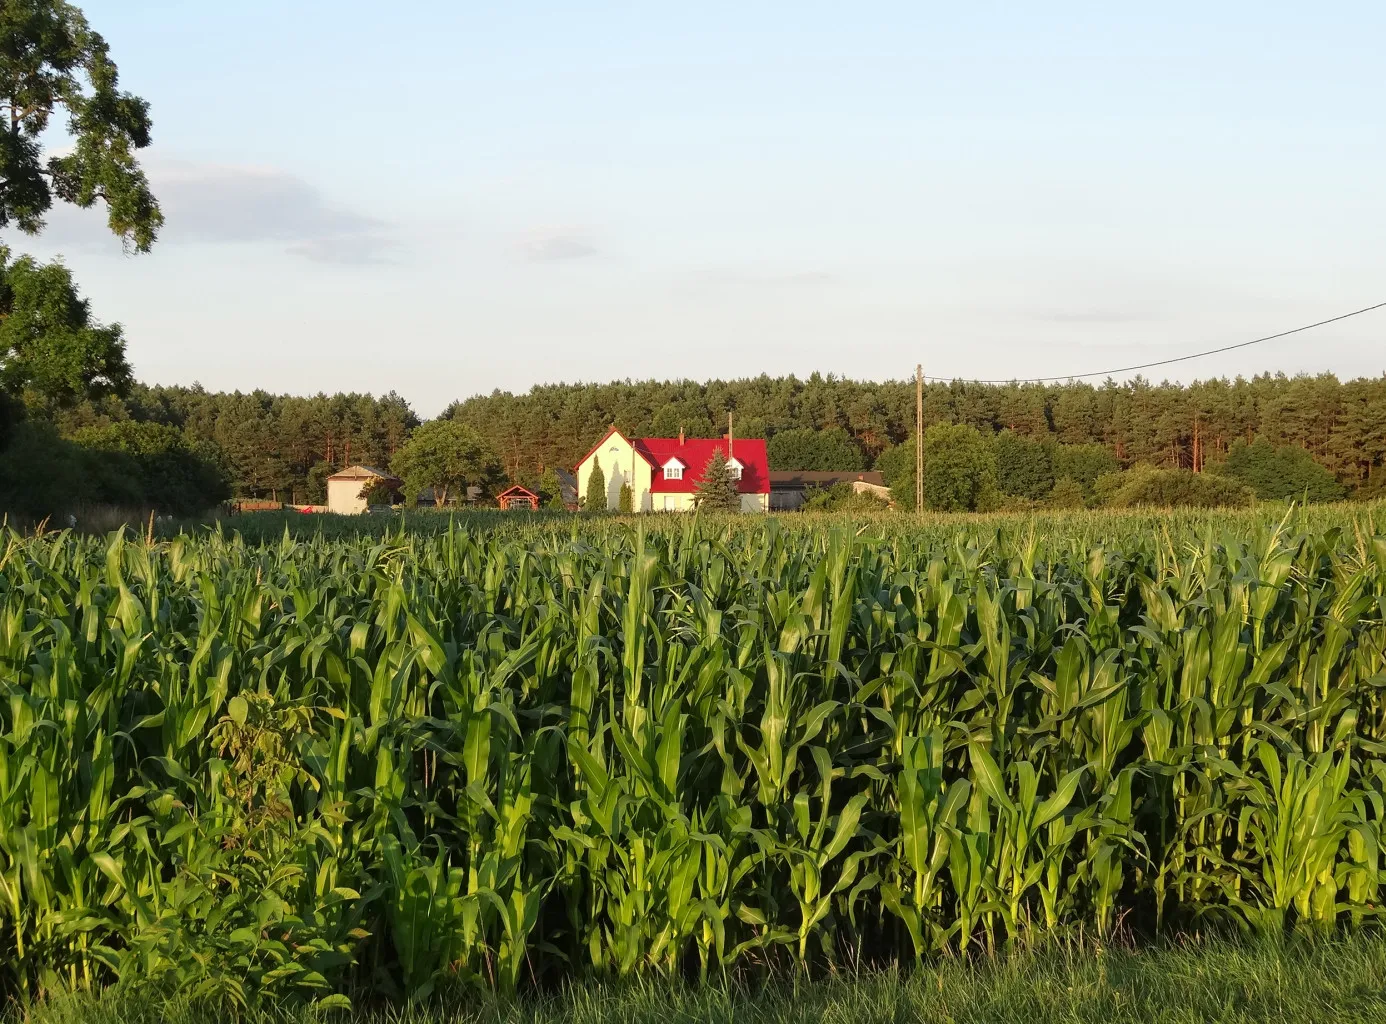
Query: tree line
[[831, 423], [1283, 436]]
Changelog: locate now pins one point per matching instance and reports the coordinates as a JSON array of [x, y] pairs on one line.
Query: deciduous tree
[[51, 350], [447, 456], [959, 468], [52, 61]]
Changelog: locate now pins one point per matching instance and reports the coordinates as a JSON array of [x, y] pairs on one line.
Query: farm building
[[789, 488], [664, 472], [345, 490]]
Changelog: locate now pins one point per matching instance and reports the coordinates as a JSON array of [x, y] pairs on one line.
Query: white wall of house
[[673, 502], [621, 464], [344, 497], [755, 503]]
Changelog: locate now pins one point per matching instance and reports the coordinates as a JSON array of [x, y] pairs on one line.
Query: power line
[[1161, 362]]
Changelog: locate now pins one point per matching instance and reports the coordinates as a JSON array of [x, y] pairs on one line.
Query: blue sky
[[444, 198]]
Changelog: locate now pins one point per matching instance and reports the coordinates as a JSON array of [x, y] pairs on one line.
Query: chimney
[[680, 435]]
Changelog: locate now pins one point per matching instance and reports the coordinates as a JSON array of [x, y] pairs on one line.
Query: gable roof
[[606, 437], [363, 473], [517, 489], [696, 452]]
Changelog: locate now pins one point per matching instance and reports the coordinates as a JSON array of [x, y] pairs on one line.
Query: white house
[[344, 489], [664, 472]]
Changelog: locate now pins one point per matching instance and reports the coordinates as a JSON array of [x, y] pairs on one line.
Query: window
[[673, 472], [734, 467]]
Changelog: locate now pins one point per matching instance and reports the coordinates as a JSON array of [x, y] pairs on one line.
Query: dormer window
[[673, 470], [734, 467]]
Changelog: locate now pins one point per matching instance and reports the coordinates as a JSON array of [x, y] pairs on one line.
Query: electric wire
[[1158, 362]]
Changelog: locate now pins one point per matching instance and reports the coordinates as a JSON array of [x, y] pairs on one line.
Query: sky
[[445, 198]]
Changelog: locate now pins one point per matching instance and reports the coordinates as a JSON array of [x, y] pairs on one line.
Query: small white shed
[[345, 490]]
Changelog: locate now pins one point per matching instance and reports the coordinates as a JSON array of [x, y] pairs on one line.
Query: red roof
[[695, 453]]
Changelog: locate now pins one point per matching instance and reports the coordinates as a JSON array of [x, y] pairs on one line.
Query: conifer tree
[[717, 490], [596, 489]]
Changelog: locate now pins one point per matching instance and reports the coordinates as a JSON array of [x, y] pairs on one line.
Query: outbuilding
[[517, 497], [790, 488], [346, 491]]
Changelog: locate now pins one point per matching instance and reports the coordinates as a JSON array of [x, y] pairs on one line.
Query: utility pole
[[919, 438]]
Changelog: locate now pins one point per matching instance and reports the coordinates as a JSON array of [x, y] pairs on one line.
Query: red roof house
[[664, 472]]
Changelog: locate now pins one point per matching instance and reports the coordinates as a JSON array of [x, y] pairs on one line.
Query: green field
[[386, 761]]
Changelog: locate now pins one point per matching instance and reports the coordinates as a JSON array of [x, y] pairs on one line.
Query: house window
[[673, 472], [734, 468]]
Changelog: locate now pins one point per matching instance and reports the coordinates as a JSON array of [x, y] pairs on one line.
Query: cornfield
[[505, 754]]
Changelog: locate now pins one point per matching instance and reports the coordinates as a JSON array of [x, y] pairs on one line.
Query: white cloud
[[213, 204]]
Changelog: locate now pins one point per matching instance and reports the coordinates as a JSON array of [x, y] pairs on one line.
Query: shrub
[[1067, 493], [155, 465], [842, 497], [1084, 463], [1280, 473], [1170, 488]]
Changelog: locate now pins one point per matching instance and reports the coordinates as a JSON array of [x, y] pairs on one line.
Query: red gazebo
[[517, 497]]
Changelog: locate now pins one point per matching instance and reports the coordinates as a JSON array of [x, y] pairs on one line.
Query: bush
[[842, 498], [128, 464], [155, 465], [1170, 488], [1280, 473], [1084, 464], [41, 475], [1067, 493], [625, 502]]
